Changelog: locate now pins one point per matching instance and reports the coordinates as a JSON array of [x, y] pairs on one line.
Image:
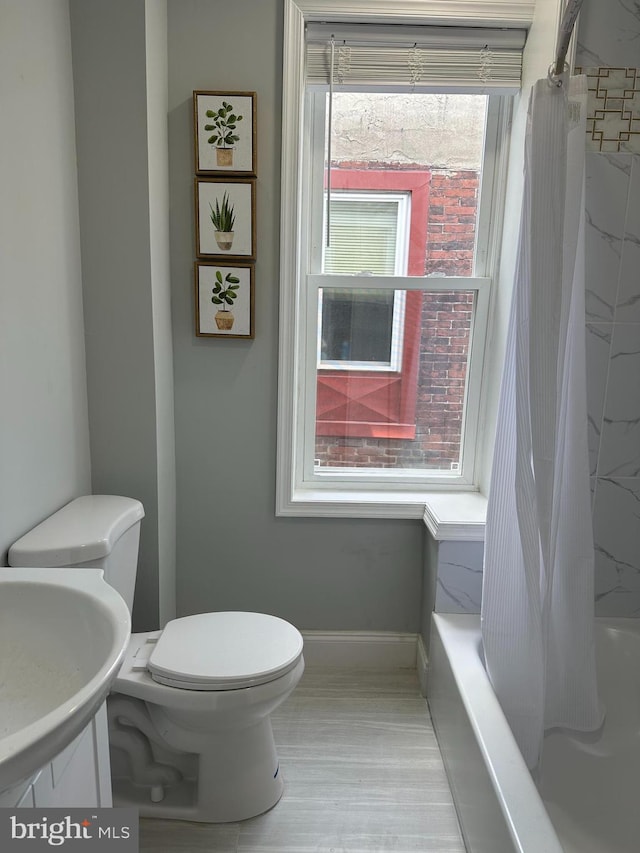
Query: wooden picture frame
[[225, 218], [224, 300], [225, 132]]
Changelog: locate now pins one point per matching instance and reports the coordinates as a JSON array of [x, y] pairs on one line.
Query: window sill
[[452, 515], [458, 516]]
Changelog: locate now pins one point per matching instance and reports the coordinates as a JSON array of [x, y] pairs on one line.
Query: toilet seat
[[224, 651]]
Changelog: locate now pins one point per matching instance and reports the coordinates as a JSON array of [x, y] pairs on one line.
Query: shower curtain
[[538, 587]]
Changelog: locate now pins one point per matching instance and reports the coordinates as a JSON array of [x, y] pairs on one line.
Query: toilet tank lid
[[85, 529]]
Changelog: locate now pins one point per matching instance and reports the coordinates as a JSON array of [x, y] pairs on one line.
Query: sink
[[63, 635]]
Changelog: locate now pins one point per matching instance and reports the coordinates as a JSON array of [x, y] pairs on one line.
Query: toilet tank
[[94, 531]]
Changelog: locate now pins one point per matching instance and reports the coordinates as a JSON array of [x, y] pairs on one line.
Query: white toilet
[[189, 722]]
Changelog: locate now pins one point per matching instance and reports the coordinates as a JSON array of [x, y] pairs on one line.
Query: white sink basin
[[63, 635]]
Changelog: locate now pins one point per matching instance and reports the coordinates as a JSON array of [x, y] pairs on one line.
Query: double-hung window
[[393, 163]]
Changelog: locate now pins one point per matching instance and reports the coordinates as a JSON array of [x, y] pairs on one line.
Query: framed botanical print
[[225, 218], [225, 132], [224, 295]]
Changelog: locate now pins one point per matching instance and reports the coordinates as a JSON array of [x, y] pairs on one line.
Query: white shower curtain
[[538, 587]]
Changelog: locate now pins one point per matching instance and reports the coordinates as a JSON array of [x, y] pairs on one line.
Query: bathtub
[[586, 798]]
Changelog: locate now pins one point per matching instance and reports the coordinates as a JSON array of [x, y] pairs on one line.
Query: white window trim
[[496, 13], [386, 504]]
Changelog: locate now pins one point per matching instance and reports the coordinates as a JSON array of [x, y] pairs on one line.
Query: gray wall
[[232, 551], [44, 436], [120, 76]]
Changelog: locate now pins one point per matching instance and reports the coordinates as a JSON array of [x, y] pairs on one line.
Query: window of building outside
[[395, 269]]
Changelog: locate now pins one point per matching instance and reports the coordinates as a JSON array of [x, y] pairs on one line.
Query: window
[[368, 338], [388, 259], [369, 235], [360, 331]]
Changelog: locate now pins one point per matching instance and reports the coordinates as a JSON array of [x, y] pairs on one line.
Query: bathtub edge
[[502, 785]]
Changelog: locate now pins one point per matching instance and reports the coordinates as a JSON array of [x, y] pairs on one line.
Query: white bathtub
[[587, 799]]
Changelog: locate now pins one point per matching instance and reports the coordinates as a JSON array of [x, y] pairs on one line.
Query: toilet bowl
[[213, 705], [189, 713]]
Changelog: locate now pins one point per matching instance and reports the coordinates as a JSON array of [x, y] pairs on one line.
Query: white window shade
[[470, 59], [363, 237]]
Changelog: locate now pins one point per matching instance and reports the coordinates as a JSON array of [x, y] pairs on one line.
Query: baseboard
[[359, 648], [422, 665]]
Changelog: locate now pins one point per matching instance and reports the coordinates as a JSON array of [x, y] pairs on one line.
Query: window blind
[[363, 237], [424, 58]]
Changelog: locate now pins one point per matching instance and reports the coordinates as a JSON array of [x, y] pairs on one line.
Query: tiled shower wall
[[609, 53]]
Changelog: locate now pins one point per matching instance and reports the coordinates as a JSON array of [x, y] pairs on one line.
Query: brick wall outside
[[446, 324]]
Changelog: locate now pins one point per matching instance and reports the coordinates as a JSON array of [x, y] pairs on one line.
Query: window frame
[[347, 493]]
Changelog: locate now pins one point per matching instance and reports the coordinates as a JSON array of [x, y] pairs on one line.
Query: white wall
[[44, 437], [609, 37]]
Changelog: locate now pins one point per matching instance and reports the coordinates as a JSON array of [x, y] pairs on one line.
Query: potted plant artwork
[[230, 287], [223, 218], [225, 292], [224, 124]]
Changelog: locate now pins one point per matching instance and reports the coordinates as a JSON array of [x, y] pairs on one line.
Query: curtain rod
[[566, 28]]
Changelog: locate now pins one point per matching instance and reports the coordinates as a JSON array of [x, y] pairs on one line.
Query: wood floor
[[362, 773]]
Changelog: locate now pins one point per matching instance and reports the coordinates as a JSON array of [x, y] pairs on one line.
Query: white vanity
[[78, 776], [63, 635]]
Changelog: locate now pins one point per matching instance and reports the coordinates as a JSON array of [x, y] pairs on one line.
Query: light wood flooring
[[362, 773]]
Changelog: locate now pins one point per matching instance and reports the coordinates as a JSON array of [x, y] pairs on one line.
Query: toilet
[[189, 714]]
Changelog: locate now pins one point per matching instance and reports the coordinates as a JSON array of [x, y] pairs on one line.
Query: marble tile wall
[[609, 54], [459, 581]]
